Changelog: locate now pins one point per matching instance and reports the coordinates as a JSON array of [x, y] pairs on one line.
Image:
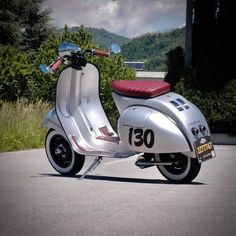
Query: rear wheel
[[61, 155], [183, 170]]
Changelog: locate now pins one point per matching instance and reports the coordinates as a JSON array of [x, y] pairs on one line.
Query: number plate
[[204, 149]]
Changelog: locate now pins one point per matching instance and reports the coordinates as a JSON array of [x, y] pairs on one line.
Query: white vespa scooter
[[160, 127]]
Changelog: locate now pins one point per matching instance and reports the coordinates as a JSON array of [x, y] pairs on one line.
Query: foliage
[[20, 77], [156, 63], [210, 82], [24, 24], [16, 73], [21, 125], [102, 37], [21, 121], [219, 108], [37, 27], [152, 48], [9, 22], [214, 48], [175, 65], [111, 68], [44, 86]]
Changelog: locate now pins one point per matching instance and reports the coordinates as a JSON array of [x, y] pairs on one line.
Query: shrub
[[16, 72], [21, 77], [219, 107], [175, 65]]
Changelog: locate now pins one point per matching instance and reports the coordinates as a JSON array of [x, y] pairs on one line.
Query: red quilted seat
[[141, 88]]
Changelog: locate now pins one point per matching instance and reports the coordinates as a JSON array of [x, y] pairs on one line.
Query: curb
[[223, 139]]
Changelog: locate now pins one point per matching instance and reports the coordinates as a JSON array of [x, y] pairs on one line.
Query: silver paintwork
[[173, 127], [51, 120], [167, 136], [79, 114]]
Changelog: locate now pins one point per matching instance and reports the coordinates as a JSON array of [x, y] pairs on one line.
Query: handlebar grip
[[56, 64], [102, 53]]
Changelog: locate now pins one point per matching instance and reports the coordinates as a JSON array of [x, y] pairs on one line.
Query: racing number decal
[[138, 133], [141, 137]]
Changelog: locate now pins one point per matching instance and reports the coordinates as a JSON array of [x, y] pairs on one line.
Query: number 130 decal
[[138, 137]]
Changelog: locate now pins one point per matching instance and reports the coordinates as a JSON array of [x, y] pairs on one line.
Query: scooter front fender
[[51, 120], [144, 129]]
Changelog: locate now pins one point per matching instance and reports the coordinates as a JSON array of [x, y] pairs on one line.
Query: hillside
[[152, 47], [103, 37]]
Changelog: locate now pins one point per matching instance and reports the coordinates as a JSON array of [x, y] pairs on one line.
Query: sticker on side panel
[[139, 137]]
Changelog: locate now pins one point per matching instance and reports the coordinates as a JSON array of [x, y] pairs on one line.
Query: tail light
[[202, 128], [195, 131]]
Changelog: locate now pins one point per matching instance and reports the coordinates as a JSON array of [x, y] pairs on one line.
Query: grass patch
[[21, 125]]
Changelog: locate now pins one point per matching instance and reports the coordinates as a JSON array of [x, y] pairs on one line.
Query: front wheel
[[183, 169], [61, 155]]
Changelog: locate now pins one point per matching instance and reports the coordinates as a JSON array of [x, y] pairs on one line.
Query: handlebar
[[101, 53], [72, 51], [56, 64]]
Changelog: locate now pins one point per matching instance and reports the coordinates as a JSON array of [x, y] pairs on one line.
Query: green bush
[[23, 87], [219, 107], [16, 71], [175, 65], [21, 77]]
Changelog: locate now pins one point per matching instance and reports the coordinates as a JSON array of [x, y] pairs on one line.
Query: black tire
[[183, 170], [61, 155]]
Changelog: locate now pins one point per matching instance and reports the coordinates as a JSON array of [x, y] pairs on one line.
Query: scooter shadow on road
[[121, 179]]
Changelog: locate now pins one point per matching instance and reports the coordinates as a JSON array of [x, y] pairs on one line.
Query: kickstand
[[93, 166]]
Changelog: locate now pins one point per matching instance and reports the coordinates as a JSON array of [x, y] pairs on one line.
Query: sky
[[130, 18]]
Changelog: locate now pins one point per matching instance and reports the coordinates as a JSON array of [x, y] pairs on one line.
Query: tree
[[204, 29], [211, 83], [36, 25], [10, 26], [213, 48], [226, 46], [24, 24], [175, 65]]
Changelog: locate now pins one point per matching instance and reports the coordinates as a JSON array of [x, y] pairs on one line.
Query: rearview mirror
[[66, 48], [115, 48], [44, 68]]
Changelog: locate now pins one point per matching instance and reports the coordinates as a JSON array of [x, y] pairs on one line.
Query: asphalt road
[[116, 199]]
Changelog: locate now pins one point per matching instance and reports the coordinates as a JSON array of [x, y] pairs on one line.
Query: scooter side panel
[[146, 130], [181, 111]]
